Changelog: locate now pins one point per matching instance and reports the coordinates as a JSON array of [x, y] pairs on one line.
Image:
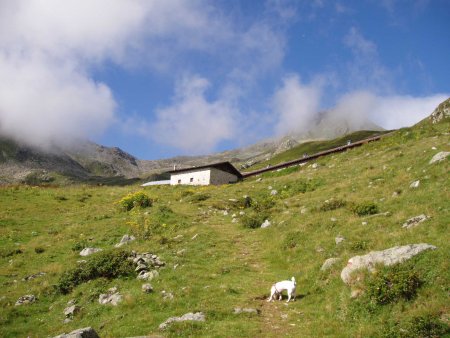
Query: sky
[[161, 78]]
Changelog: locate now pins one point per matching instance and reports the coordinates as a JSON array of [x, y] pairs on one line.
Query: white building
[[217, 173]]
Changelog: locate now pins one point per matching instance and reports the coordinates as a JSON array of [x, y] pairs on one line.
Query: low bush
[[428, 326], [107, 264], [199, 197], [253, 220], [293, 239], [39, 249], [332, 204], [391, 284], [364, 209], [138, 199]]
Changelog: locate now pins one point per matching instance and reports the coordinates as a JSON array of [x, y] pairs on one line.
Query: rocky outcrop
[[198, 316], [146, 265], [386, 257], [414, 221], [87, 332], [27, 299], [441, 112], [112, 297], [439, 157], [125, 240]]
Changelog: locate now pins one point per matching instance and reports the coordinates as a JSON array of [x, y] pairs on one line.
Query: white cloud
[[193, 123], [389, 112], [295, 105]]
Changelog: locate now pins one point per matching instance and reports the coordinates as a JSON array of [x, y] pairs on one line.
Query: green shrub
[[39, 249], [364, 209], [253, 220], [292, 239], [332, 204], [428, 326], [107, 264], [78, 246], [263, 204], [133, 200], [391, 284], [199, 197]]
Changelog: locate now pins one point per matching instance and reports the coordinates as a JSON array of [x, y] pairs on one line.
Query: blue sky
[[176, 77]]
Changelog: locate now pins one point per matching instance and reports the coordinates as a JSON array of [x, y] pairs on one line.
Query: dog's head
[[293, 280]]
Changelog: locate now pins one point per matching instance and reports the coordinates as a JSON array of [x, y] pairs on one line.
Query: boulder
[[414, 221], [87, 332], [70, 311], [198, 316], [147, 288], [415, 184], [386, 257], [125, 240], [89, 251], [439, 157], [329, 263], [112, 297]]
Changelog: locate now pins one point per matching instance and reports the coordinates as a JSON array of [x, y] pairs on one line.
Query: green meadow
[[215, 264]]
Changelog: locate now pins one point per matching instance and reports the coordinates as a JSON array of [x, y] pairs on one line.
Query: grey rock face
[[414, 221], [125, 240], [27, 299], [441, 112], [87, 332], [198, 316], [386, 257], [89, 251], [439, 157], [329, 263]]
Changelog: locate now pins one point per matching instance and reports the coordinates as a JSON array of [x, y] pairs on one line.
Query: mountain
[[87, 161]]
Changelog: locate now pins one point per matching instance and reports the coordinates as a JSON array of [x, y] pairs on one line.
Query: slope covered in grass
[[214, 265]]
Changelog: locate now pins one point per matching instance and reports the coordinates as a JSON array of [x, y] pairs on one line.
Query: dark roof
[[223, 166]]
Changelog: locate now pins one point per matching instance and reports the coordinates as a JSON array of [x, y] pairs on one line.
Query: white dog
[[278, 288]]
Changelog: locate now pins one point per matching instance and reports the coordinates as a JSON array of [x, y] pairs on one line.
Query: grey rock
[[198, 316], [147, 288], [238, 310], [439, 157], [89, 251], [414, 221], [27, 278], [112, 297], [141, 267], [125, 240], [329, 263], [266, 224], [167, 295], [273, 192], [70, 311], [87, 332], [339, 240], [415, 184], [225, 213], [386, 257], [148, 275], [27, 299], [441, 112], [315, 166]]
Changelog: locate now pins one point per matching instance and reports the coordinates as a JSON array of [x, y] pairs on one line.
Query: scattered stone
[[339, 239], [30, 277], [234, 220], [303, 211], [70, 311], [181, 252], [259, 179], [315, 166], [81, 261], [238, 310], [67, 320], [112, 297], [364, 223], [386, 257], [71, 302], [27, 299], [147, 288], [415, 184], [242, 213], [269, 187], [87, 332], [284, 316], [320, 249], [266, 224], [89, 251], [412, 222], [333, 219], [167, 295], [225, 213], [433, 148], [198, 316], [148, 275], [356, 293], [178, 238], [194, 237], [329, 263], [387, 213], [395, 194], [439, 157], [233, 216], [125, 240], [273, 192]]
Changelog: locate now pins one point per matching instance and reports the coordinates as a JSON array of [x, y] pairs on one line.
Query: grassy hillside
[[214, 265], [313, 147]]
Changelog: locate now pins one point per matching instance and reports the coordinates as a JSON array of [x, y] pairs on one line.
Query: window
[[191, 180], [179, 181]]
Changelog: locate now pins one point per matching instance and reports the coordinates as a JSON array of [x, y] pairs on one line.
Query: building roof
[[223, 166]]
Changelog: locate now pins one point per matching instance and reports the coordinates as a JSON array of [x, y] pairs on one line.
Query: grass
[[216, 265]]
